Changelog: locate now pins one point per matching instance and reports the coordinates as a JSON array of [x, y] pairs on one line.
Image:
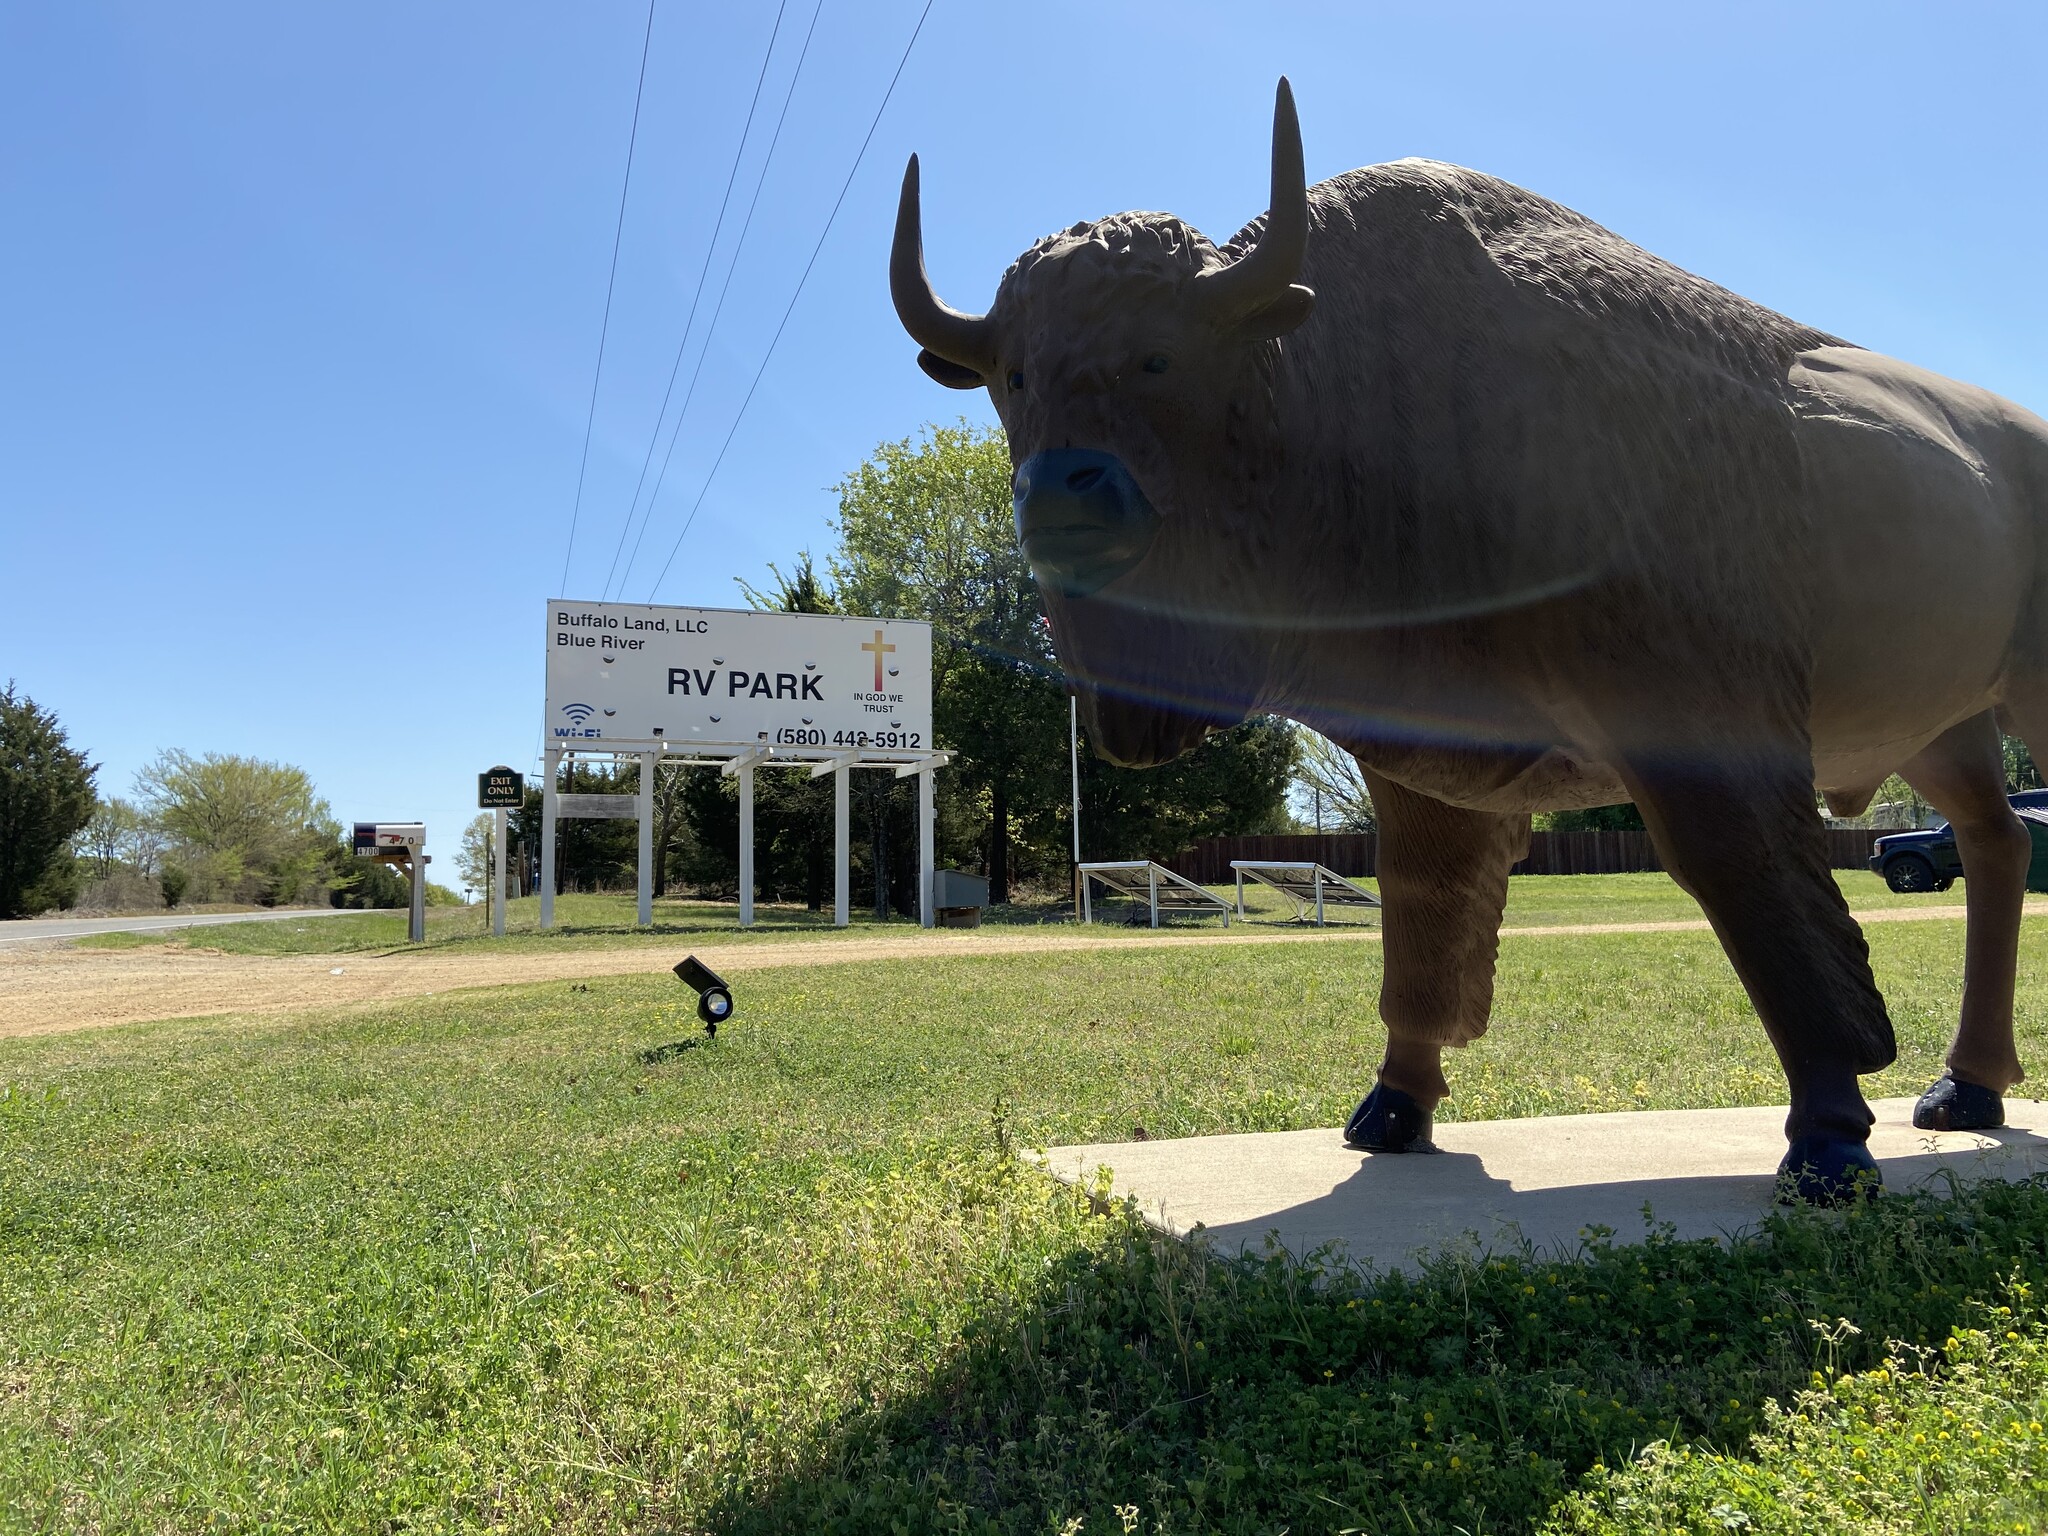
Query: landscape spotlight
[[714, 997]]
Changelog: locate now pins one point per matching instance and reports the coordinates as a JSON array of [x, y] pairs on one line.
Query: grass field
[[607, 920], [532, 1260]]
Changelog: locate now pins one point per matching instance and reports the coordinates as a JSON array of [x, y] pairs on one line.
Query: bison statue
[[1527, 519]]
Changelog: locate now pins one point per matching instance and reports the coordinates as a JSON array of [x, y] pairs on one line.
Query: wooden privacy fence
[[1550, 853]]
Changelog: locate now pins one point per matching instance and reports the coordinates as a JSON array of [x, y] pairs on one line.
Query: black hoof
[[1953, 1106], [1389, 1121], [1828, 1170]]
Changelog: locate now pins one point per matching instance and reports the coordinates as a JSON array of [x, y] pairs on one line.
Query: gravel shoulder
[[52, 986]]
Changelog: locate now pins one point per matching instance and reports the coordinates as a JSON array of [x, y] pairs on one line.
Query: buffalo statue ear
[[952, 375], [1277, 316]]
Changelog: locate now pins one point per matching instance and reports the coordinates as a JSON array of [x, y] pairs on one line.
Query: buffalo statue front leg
[[1443, 875], [1736, 827]]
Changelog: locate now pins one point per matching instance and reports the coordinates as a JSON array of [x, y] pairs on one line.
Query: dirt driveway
[[55, 986]]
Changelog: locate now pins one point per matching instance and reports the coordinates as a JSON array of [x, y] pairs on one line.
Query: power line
[[604, 331], [717, 228], [718, 309], [777, 337]]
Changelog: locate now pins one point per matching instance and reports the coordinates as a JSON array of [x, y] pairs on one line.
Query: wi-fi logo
[[579, 712]]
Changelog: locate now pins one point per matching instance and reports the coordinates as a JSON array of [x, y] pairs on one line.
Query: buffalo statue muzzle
[[1082, 521]]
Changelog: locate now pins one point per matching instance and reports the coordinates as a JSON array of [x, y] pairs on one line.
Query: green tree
[[473, 857], [792, 832], [1327, 777], [591, 854], [1234, 783], [1009, 721], [673, 834], [926, 532], [46, 796], [248, 829], [802, 591], [1598, 818], [107, 839], [2020, 769]]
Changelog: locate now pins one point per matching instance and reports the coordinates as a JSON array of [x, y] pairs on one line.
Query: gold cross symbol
[[878, 647]]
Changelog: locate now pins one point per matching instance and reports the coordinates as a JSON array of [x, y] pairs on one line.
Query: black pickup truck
[[1928, 861]]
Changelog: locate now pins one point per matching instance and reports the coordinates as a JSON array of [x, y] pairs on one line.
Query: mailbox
[[387, 837]]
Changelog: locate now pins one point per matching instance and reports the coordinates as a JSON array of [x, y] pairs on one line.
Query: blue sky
[[299, 305]]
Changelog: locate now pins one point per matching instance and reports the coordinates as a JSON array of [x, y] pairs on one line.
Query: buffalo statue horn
[[932, 323], [1266, 271]]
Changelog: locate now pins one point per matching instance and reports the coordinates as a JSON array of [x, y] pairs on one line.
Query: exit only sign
[[500, 789]]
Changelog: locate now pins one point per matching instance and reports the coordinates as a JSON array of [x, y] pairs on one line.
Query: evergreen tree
[[46, 796], [594, 853], [1233, 783]]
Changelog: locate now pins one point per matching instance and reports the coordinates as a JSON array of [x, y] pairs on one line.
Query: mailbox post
[[499, 790], [400, 842]]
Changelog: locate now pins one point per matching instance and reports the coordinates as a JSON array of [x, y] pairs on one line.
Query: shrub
[[122, 891], [1931, 1440]]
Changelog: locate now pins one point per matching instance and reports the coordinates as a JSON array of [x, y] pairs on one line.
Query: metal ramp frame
[[1154, 884], [1307, 884]]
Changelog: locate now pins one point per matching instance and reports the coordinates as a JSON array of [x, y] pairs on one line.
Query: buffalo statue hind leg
[[1740, 834], [1962, 775], [1443, 874]]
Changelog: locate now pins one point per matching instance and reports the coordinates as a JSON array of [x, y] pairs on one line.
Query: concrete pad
[[1708, 1172]]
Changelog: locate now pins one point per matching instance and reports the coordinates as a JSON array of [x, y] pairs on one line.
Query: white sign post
[[498, 874], [499, 790], [737, 689]]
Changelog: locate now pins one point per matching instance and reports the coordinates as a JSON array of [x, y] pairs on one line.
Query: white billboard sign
[[736, 677]]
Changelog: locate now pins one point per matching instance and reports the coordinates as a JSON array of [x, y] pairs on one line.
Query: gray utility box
[[957, 898]]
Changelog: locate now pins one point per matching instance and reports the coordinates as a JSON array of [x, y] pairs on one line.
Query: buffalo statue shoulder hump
[[1528, 518]]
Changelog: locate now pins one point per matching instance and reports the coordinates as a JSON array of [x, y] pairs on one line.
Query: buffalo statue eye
[[1158, 362], [1016, 379]]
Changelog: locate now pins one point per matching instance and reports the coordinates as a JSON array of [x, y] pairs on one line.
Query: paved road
[[27, 930]]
